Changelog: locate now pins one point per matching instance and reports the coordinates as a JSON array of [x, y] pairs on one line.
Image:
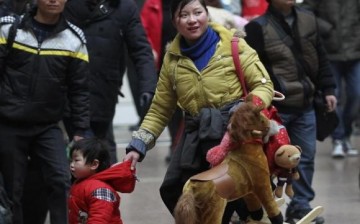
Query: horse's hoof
[[277, 219]]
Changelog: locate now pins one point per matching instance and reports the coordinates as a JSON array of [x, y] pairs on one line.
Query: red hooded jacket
[[96, 198]]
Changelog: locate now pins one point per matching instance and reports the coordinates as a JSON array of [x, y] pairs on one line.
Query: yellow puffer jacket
[[181, 83]]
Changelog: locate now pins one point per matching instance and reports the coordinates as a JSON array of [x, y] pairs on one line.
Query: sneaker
[[293, 216], [350, 150], [338, 149]]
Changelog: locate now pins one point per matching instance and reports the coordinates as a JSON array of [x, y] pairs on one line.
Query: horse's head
[[247, 123]]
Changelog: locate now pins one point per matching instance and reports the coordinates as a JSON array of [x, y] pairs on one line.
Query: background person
[[287, 40], [41, 72], [339, 23], [112, 28]]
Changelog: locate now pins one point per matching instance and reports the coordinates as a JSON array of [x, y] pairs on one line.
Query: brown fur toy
[[244, 173], [287, 158]]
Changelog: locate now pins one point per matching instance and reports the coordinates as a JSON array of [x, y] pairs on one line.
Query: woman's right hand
[[134, 157]]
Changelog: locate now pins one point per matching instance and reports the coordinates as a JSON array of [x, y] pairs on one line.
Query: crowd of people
[[63, 63]]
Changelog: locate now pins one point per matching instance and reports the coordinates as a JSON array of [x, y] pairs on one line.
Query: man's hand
[[331, 102], [145, 101], [77, 138], [134, 157]]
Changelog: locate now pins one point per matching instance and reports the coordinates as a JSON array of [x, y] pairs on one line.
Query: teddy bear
[[286, 160]]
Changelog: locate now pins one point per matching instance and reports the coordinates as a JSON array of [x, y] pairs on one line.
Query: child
[[93, 197]]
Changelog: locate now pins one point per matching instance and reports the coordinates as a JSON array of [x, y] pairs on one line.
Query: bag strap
[[236, 59], [278, 96]]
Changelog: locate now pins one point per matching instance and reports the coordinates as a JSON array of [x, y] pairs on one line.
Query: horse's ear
[[256, 101], [249, 98]]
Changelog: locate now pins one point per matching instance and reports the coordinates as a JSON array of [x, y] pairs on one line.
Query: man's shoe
[[338, 149], [293, 216], [350, 150]]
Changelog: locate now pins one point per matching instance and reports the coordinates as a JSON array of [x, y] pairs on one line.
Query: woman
[[199, 76]]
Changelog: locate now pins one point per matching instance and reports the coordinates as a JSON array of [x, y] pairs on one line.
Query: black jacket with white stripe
[[38, 79]]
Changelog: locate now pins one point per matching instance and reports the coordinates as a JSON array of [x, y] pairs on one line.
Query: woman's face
[[192, 21]]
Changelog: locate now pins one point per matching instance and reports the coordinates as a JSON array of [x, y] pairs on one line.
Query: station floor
[[336, 183]]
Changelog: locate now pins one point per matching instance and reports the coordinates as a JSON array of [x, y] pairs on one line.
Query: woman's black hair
[[93, 148], [175, 4]]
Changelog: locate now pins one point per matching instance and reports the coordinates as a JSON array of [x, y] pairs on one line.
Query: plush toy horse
[[244, 173]]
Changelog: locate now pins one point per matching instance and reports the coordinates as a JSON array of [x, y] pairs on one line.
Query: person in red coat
[[93, 196], [253, 8]]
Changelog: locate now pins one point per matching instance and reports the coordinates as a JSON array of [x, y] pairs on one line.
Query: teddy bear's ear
[[280, 151], [298, 147]]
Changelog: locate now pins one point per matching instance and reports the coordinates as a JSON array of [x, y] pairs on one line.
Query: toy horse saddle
[[224, 184]]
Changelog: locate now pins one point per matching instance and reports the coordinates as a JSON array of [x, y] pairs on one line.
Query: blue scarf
[[202, 50]]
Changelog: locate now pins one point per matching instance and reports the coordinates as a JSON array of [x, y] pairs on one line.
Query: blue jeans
[[302, 132], [348, 71]]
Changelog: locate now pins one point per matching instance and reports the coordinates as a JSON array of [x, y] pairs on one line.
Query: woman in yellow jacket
[[198, 75]]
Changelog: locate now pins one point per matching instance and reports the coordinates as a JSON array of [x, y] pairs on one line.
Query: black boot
[[277, 219], [257, 215]]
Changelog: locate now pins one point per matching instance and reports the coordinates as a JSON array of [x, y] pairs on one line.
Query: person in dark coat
[[339, 25], [288, 42], [112, 28], [40, 73]]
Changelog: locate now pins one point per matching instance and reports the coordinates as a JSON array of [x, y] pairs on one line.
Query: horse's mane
[[244, 120]]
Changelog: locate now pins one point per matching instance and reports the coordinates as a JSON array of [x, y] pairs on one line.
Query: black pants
[[46, 144], [35, 194], [102, 130]]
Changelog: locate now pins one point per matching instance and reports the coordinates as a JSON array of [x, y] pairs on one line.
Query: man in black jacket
[[288, 43], [112, 27], [41, 71]]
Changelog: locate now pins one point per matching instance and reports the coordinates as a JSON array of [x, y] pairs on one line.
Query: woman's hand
[[134, 157]]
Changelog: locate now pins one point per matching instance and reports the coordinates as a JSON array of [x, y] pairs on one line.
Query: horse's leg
[[185, 209], [266, 198], [214, 210], [210, 204], [199, 204], [254, 206]]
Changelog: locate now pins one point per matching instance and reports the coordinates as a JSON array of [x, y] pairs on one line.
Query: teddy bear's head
[[288, 156]]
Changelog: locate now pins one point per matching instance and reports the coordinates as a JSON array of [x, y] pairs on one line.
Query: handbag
[[326, 122]]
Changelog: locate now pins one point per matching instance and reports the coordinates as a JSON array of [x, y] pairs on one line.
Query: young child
[[93, 196]]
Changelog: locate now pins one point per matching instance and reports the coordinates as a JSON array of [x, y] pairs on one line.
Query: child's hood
[[119, 176]]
